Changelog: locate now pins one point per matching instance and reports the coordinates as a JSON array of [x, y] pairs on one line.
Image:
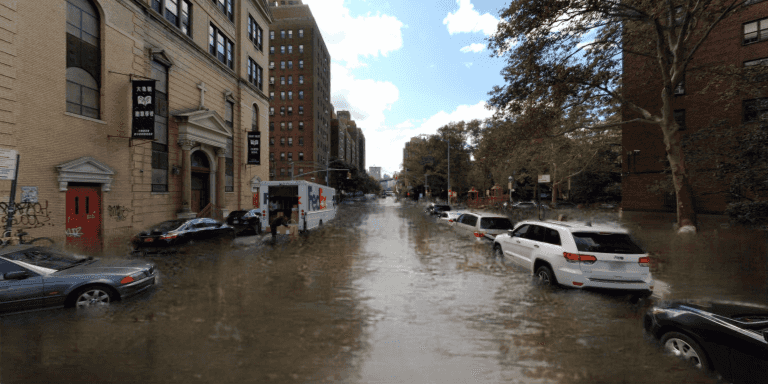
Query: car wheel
[[544, 276], [92, 296], [684, 347]]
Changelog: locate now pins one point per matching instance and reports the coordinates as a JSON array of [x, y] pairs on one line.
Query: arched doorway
[[201, 181]]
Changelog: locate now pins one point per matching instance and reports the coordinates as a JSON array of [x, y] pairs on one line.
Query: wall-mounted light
[[176, 170]]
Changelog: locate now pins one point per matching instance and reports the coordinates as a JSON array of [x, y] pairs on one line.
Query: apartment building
[[126, 113], [740, 40], [299, 92]]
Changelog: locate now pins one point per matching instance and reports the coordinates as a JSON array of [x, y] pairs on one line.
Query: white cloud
[[468, 64], [365, 99], [467, 19], [385, 147], [351, 38], [475, 47]]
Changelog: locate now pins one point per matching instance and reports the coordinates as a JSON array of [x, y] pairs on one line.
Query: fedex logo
[[316, 201]]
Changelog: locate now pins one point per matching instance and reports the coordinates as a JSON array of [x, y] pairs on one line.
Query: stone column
[[220, 176], [186, 172]]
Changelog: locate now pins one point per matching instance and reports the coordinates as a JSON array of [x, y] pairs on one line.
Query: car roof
[[15, 248], [576, 226]]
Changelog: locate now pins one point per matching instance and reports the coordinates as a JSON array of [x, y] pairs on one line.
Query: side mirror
[[16, 275]]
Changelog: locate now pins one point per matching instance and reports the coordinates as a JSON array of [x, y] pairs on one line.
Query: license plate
[[148, 240]]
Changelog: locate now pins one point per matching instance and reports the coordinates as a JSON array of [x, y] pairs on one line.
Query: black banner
[[143, 109], [254, 148]]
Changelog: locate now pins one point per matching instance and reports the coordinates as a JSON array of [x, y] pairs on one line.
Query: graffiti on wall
[[118, 212], [74, 232], [31, 215]]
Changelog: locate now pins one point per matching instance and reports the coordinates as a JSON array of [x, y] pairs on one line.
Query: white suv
[[482, 225], [577, 255]]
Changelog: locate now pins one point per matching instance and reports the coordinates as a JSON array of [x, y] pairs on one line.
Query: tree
[[552, 62]]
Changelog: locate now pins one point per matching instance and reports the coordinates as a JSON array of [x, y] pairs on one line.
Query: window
[[220, 46], [756, 110], [282, 49], [301, 64], [83, 59], [301, 156], [282, 171], [282, 34], [290, 95], [290, 156], [290, 32], [255, 34], [282, 95], [301, 95], [282, 156], [282, 65], [282, 141], [290, 49], [756, 77], [301, 79], [271, 156], [271, 64], [160, 145], [271, 111], [229, 161], [255, 73], [271, 80], [290, 80], [255, 118], [282, 125], [176, 12], [271, 35], [301, 171], [301, 109], [272, 50], [226, 6], [290, 64], [301, 125], [290, 111], [271, 141], [290, 141], [756, 31], [680, 118], [282, 80], [290, 125], [282, 111], [271, 172], [301, 33], [271, 126], [680, 88], [301, 48]]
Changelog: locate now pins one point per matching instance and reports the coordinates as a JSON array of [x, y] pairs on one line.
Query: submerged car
[[723, 337], [34, 277], [175, 235], [245, 222], [482, 225]]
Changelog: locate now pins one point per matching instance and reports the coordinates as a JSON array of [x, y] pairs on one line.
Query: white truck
[[306, 205]]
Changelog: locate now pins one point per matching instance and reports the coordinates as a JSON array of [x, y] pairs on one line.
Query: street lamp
[[511, 181], [449, 167]]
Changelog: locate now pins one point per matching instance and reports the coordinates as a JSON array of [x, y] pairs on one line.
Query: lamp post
[[511, 181], [449, 166]]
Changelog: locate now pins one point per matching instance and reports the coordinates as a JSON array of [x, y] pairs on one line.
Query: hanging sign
[[7, 164], [143, 109], [254, 148], [543, 178]]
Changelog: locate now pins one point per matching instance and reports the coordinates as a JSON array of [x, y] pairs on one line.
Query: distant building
[[375, 172]]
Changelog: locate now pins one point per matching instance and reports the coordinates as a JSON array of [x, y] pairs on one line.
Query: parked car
[[173, 235], [449, 216], [438, 208], [729, 338], [579, 255], [482, 225], [245, 222], [34, 277], [527, 205]]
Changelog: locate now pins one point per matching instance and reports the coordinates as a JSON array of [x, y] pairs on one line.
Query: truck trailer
[[307, 205]]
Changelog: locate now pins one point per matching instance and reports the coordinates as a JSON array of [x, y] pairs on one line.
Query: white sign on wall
[[543, 178], [7, 164]]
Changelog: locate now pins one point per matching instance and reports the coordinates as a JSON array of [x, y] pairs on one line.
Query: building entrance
[[201, 185], [83, 228]]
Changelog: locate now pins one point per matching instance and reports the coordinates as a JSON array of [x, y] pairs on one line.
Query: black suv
[[245, 222]]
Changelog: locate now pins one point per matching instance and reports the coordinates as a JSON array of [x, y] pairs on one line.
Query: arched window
[[255, 119], [83, 59]]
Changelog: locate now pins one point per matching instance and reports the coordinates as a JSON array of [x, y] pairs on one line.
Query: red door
[[84, 218]]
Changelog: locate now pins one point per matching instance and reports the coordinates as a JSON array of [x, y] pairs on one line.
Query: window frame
[[255, 74], [227, 7], [255, 33], [219, 38], [757, 32]]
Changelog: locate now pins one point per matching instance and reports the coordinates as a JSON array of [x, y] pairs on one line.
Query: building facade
[[375, 172], [299, 92], [85, 176], [739, 40]]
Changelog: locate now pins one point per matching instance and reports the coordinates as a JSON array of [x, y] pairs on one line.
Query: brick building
[[94, 184], [739, 40], [299, 91]]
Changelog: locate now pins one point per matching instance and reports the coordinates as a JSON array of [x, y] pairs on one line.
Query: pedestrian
[[276, 222]]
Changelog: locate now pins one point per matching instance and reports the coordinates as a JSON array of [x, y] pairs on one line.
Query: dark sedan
[[725, 337], [173, 235], [245, 222], [34, 277]]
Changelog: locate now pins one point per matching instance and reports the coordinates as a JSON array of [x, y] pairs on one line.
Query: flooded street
[[382, 294]]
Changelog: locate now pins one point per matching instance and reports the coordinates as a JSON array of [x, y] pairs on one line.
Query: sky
[[405, 68]]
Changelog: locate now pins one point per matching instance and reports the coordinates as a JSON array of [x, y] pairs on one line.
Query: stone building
[[300, 92], [86, 176]]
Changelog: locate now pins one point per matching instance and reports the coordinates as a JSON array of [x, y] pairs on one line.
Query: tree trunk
[[686, 213]]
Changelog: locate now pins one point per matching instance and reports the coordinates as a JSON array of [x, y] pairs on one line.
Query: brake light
[[450, 221], [168, 237], [302, 212], [479, 234], [126, 280], [574, 257], [576, 283], [644, 260]]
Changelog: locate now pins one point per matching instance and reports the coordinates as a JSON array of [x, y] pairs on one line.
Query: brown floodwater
[[382, 294]]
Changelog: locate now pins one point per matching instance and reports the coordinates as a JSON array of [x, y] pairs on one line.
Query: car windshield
[[606, 243], [495, 223], [47, 258], [442, 207], [237, 214], [168, 225]]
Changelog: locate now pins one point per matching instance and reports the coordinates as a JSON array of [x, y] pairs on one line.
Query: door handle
[[535, 246]]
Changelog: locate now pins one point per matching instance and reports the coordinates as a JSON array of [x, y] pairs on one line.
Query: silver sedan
[[33, 277]]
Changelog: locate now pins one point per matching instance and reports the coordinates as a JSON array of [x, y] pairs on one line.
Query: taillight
[[302, 212], [644, 260], [575, 257], [126, 280], [450, 221], [479, 234], [168, 237], [576, 283]]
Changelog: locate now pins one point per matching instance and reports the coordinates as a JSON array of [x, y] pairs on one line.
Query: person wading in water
[[276, 222]]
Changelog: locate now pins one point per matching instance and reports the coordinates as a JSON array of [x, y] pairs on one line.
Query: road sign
[[543, 178], [7, 164]]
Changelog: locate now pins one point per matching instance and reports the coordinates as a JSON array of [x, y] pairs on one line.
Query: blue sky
[[404, 68]]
